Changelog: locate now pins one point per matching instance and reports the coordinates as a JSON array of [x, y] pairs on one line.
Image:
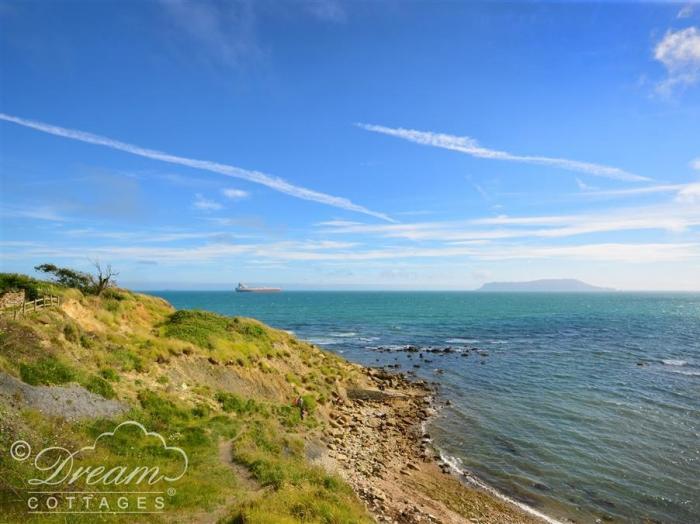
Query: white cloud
[[695, 164], [235, 194], [583, 186], [309, 251], [275, 183], [200, 202], [679, 52], [469, 146], [690, 194], [633, 191], [686, 11]]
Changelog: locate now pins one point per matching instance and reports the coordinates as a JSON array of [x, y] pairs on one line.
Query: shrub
[[232, 402], [71, 332], [86, 341], [15, 282], [100, 386], [110, 374], [196, 326], [46, 371], [161, 410]]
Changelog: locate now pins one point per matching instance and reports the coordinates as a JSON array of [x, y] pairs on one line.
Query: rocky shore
[[376, 441]]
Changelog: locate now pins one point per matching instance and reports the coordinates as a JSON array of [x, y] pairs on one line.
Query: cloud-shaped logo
[[60, 466]]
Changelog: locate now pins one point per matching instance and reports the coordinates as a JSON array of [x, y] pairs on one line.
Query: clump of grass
[[197, 326], [100, 386], [109, 374], [71, 332], [161, 411], [112, 305], [86, 341], [230, 402], [163, 379], [46, 371]]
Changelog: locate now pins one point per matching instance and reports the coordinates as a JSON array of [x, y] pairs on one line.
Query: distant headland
[[547, 285]]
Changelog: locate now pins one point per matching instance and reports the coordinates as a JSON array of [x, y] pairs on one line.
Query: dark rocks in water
[[411, 349], [541, 487], [484, 353], [427, 361], [465, 354], [439, 371], [416, 365], [420, 355], [641, 363]]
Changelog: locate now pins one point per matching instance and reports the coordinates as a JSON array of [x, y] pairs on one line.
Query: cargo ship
[[242, 288]]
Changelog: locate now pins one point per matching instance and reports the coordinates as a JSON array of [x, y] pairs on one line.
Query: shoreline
[[376, 440]]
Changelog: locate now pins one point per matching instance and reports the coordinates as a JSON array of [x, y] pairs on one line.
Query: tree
[[104, 278], [67, 277], [92, 284]]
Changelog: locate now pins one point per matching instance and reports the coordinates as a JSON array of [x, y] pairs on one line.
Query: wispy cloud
[[225, 31], [33, 212], [235, 194], [470, 146], [276, 183], [695, 164], [686, 11], [676, 216], [679, 52], [205, 204], [340, 252]]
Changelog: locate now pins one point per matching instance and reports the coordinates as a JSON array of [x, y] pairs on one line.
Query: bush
[[16, 282], [161, 410], [46, 371], [232, 402], [100, 386], [71, 332], [197, 326], [110, 374]]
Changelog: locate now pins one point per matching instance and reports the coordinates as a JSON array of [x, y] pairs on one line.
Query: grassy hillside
[[220, 388]]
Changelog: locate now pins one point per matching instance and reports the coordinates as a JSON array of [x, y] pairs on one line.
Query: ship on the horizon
[[242, 288]]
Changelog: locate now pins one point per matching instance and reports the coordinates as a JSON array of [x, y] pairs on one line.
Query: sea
[[584, 407]]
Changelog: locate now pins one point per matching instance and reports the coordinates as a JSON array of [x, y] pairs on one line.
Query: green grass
[[197, 327], [46, 371], [100, 386], [142, 340]]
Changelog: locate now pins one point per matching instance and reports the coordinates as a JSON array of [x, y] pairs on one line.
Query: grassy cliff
[[220, 388]]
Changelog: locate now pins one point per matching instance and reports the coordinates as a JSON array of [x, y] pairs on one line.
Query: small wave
[[498, 341], [456, 466], [674, 362], [685, 372], [343, 335], [320, 341], [368, 339], [461, 341]]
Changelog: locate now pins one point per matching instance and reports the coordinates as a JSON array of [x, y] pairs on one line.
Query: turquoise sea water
[[584, 406]]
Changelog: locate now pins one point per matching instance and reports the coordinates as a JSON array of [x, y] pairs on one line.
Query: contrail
[[469, 146], [276, 183]]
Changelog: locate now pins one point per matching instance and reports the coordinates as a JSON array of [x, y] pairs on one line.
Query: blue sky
[[358, 145]]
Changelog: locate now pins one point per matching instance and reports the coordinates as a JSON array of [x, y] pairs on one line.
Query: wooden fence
[[31, 305]]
